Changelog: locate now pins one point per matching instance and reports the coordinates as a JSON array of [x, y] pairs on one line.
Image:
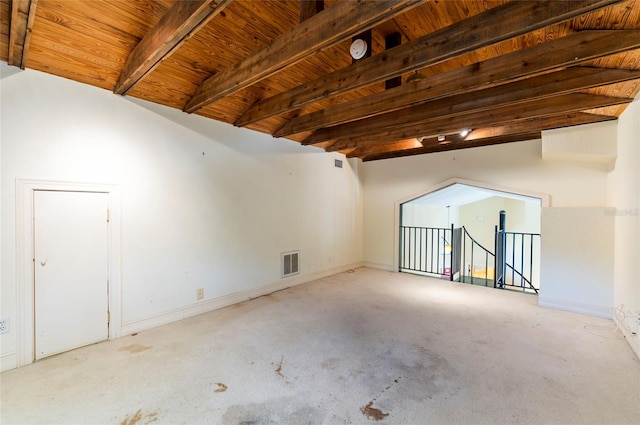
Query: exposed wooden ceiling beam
[[456, 145], [22, 15], [558, 53], [497, 24], [184, 18], [458, 142], [333, 25], [388, 147], [564, 104], [548, 85]]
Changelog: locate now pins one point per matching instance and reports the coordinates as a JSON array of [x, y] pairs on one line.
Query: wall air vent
[[290, 263], [338, 163]]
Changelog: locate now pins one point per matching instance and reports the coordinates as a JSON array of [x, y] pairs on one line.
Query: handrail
[[476, 242], [525, 279], [513, 269], [421, 227], [522, 233], [506, 263]]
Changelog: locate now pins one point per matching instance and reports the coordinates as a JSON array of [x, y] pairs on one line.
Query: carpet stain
[[135, 348], [221, 388], [373, 413], [388, 387], [330, 364], [279, 368], [139, 419]]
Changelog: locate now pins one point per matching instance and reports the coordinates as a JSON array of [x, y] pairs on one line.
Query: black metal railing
[[520, 260], [479, 262], [426, 250], [454, 254]]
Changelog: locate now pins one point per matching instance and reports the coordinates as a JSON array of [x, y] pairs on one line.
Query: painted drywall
[[423, 215], [623, 191], [570, 144], [577, 260], [204, 204], [4, 304]]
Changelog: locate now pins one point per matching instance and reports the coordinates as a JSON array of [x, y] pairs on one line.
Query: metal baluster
[[486, 266], [513, 259], [471, 271], [431, 251], [531, 262], [419, 265], [522, 261], [402, 246]]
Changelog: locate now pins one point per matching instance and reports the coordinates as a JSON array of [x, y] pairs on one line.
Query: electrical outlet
[[200, 294], [4, 325]]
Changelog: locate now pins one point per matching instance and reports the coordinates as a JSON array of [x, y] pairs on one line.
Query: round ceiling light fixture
[[358, 48]]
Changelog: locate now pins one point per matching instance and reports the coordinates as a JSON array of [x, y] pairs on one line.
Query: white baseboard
[[379, 266], [8, 361], [171, 316], [574, 307]]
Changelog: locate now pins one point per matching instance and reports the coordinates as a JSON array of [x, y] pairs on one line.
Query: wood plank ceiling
[[503, 71]]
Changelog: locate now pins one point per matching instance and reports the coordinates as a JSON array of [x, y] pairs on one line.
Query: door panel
[[71, 289]]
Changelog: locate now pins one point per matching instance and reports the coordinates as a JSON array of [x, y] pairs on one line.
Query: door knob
[[43, 262]]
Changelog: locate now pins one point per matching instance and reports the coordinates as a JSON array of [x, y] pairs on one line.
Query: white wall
[[569, 144], [417, 214], [624, 199], [204, 204], [577, 260]]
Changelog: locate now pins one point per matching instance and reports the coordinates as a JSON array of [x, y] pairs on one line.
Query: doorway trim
[[545, 202], [25, 326]]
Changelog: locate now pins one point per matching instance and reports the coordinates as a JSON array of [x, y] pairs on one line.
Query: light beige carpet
[[356, 348]]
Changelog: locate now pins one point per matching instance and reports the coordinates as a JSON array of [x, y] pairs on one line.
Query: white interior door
[[71, 280]]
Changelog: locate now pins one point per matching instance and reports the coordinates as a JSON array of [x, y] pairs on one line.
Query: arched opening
[[472, 233]]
